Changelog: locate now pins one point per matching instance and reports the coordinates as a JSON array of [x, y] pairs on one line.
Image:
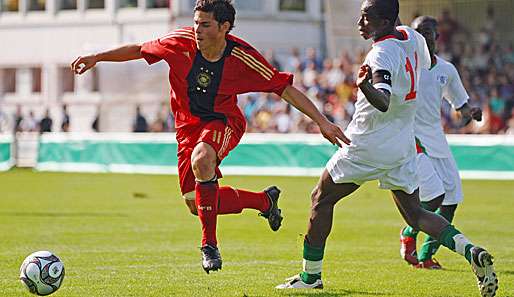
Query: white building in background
[[40, 38]]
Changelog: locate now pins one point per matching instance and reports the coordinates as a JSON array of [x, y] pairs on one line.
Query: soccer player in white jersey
[[438, 176], [383, 147]]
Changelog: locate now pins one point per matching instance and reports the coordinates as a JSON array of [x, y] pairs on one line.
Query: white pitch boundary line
[[231, 170]]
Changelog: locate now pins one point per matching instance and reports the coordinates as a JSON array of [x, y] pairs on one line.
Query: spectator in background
[[269, 55], [18, 118], [283, 120], [157, 125], [45, 125], [95, 125], [510, 123], [311, 56], [140, 123], [4, 121], [29, 124], [497, 103], [65, 124], [447, 28], [294, 61]]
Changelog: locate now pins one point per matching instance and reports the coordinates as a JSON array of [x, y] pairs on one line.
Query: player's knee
[[203, 164], [316, 195], [319, 199]]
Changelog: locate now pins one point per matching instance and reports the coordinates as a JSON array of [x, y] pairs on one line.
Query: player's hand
[[333, 133], [83, 64], [364, 75], [476, 113]]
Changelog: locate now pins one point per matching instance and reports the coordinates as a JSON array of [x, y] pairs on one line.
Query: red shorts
[[220, 136]]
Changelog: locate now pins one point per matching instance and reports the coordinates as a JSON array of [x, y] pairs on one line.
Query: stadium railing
[[477, 156], [6, 152]]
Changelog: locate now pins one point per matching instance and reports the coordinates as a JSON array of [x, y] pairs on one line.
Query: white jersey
[[386, 139], [441, 81]]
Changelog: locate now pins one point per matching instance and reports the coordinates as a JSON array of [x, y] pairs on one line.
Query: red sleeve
[[165, 47], [153, 51], [259, 75]]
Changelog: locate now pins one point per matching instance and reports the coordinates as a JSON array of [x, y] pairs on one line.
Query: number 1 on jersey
[[408, 67]]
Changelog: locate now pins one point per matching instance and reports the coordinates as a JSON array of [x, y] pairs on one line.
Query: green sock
[[312, 261], [430, 244], [456, 241], [409, 231]]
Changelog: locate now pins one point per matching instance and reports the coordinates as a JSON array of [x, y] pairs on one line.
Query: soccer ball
[[42, 273]]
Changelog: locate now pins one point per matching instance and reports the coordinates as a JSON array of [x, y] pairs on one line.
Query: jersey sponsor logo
[[253, 63]]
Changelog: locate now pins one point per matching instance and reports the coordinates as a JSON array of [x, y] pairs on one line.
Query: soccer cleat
[[273, 214], [211, 258], [408, 249], [482, 265], [296, 282], [429, 264]]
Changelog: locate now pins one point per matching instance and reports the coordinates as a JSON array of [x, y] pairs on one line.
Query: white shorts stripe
[[226, 140]]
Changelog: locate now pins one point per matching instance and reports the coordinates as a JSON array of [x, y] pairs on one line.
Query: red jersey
[[206, 91]]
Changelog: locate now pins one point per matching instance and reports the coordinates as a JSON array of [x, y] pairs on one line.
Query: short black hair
[[387, 9], [222, 10], [424, 19]]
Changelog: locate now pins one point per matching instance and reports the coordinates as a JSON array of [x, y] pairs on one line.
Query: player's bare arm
[[120, 54], [331, 132], [377, 97]]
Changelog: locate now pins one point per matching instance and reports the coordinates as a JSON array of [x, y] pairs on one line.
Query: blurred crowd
[[484, 62], [486, 68]]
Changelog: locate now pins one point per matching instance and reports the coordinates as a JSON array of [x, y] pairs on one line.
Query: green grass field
[[131, 235]]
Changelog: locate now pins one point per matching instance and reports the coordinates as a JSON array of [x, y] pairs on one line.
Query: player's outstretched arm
[[120, 54], [330, 131], [376, 97]]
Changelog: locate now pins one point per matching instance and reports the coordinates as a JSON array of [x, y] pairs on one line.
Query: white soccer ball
[[42, 273]]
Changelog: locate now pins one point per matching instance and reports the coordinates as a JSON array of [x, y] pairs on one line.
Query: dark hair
[[424, 19], [387, 9], [222, 10]]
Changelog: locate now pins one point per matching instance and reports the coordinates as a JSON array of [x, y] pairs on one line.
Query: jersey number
[[408, 67]]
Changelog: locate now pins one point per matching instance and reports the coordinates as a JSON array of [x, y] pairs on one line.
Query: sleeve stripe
[[252, 65], [177, 36], [181, 33], [252, 58]]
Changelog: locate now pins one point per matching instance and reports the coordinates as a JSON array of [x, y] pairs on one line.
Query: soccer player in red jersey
[[208, 69]]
